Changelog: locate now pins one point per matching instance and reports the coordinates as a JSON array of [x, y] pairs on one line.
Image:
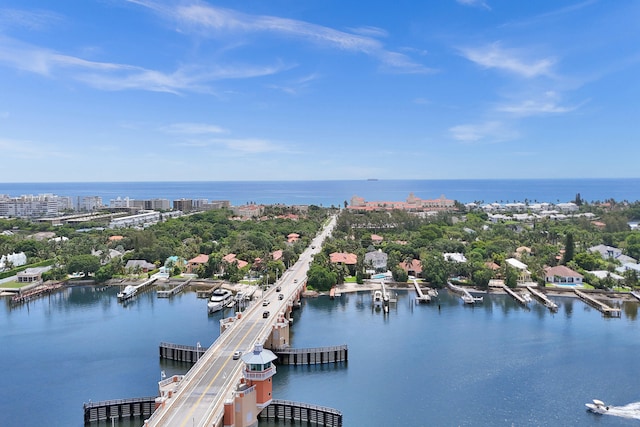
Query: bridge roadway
[[199, 400]]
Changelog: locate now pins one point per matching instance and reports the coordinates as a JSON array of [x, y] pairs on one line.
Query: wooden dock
[[599, 305], [312, 356], [118, 409], [303, 412], [516, 296], [543, 298], [173, 291], [421, 297], [636, 295], [36, 292]]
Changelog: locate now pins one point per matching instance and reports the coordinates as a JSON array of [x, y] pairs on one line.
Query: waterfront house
[[524, 275], [413, 269], [194, 263], [377, 260], [142, 265], [231, 259], [562, 275], [612, 253], [32, 275], [343, 258]]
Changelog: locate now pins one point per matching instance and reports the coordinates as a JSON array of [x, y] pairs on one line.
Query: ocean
[[328, 193]]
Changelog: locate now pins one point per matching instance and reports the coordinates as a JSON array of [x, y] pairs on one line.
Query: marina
[[464, 294]]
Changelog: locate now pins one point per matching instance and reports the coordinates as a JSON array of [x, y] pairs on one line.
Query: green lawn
[[350, 279], [14, 285]]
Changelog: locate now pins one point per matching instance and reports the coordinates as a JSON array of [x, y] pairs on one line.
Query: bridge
[[199, 398]]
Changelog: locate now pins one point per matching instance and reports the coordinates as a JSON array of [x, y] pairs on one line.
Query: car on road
[[295, 280], [236, 355], [281, 296], [265, 314], [265, 303], [278, 289]]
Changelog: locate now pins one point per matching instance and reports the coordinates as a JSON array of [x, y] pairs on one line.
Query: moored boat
[[127, 293], [219, 299]]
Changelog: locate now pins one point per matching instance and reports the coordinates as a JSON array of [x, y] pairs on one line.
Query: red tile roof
[[200, 259], [344, 258]]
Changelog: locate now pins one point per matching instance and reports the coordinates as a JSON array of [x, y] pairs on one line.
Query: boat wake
[[632, 410]]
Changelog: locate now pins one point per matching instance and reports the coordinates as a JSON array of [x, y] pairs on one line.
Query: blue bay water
[[493, 364], [327, 193]]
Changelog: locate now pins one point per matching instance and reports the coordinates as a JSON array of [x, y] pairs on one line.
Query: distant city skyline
[[188, 90]]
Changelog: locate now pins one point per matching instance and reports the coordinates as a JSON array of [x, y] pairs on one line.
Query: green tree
[[320, 278], [86, 264], [569, 248]]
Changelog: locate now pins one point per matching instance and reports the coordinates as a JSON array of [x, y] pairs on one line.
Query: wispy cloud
[[515, 61], [489, 131], [33, 20], [207, 20], [475, 3], [548, 103], [193, 129], [114, 76], [296, 86], [235, 145]]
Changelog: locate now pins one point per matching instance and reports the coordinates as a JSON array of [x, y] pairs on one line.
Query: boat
[[377, 299], [219, 299], [127, 293], [597, 407]]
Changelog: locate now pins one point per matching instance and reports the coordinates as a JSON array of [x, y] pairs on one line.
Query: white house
[[563, 276], [524, 275]]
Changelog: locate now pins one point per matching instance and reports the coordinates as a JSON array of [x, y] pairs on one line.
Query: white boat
[[127, 293], [219, 299], [377, 299], [597, 407]]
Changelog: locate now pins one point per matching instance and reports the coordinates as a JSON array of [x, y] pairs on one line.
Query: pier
[[421, 297], [181, 353], [119, 409], [131, 291], [312, 356], [173, 291], [599, 305], [516, 296], [636, 295], [543, 299], [303, 412], [466, 297], [23, 297]]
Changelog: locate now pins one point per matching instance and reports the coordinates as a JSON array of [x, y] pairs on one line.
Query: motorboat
[[597, 407], [127, 293], [219, 299], [377, 299]]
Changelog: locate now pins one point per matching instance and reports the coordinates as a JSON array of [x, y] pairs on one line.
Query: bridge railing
[[289, 350]]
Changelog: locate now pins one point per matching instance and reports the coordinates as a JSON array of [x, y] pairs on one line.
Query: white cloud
[[475, 3], [489, 131], [248, 145], [532, 107], [113, 76], [515, 61], [207, 20], [193, 128], [548, 103], [30, 19]]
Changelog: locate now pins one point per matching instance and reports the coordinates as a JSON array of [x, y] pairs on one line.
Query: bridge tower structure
[[255, 391]]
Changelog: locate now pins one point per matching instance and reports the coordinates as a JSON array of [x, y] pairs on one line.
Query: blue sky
[[148, 90]]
